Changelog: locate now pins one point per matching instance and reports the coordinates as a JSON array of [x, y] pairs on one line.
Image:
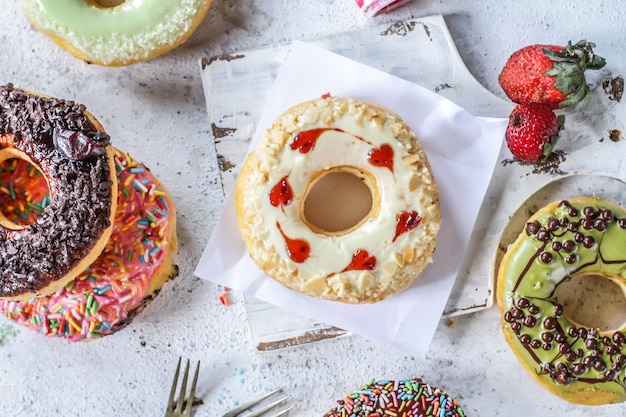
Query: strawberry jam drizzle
[[381, 156], [281, 194], [361, 261], [406, 221], [305, 141], [297, 249]]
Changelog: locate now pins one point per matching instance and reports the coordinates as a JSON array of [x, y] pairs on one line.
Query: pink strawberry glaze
[[100, 299]]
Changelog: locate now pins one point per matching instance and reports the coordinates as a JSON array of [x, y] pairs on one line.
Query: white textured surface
[[156, 111]]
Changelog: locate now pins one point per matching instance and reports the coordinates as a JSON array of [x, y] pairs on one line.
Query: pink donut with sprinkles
[[128, 274], [407, 398]]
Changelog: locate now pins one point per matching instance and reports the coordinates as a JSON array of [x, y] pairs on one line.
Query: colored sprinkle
[[224, 298], [410, 398], [100, 298]]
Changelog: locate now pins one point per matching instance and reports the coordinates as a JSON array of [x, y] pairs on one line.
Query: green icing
[[132, 30], [566, 357]]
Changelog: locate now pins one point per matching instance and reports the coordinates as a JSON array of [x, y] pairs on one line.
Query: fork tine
[[252, 403], [183, 388], [284, 412], [261, 411], [192, 391], [170, 401]]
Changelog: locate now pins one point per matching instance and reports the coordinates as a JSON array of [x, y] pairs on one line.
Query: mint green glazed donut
[[116, 32]]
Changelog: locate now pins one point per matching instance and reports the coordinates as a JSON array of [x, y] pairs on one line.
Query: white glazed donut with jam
[[338, 201]]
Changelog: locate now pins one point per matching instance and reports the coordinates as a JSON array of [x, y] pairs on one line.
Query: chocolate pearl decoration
[[579, 368], [533, 228], [587, 224], [530, 321], [517, 313], [589, 212], [569, 245], [558, 310], [570, 259], [508, 317], [549, 323], [545, 257], [543, 235], [553, 224]]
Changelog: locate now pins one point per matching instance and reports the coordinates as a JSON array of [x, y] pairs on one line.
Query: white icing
[[331, 254]]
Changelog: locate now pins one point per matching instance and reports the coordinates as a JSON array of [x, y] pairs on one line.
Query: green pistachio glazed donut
[[116, 32], [578, 238]]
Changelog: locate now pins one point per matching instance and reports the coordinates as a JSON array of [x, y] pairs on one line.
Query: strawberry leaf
[[568, 70], [549, 146]]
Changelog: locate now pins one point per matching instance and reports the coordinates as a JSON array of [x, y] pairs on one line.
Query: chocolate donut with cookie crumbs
[[581, 239], [130, 271], [70, 147]]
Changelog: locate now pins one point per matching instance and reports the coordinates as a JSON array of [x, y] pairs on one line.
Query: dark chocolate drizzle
[[79, 177]]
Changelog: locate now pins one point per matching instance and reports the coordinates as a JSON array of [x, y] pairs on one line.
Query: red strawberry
[[549, 74], [533, 131]]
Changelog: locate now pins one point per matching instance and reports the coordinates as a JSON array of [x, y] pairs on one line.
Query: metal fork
[[235, 412], [182, 408]]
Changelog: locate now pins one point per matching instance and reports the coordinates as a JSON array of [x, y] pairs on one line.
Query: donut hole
[[593, 301], [108, 4], [338, 201], [24, 193]]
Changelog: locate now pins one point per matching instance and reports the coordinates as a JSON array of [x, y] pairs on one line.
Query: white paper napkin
[[462, 149]]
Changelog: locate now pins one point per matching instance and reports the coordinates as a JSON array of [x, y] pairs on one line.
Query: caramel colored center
[[594, 301], [339, 200], [107, 4]]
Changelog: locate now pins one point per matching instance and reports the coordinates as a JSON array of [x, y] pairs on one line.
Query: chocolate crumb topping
[[66, 146]]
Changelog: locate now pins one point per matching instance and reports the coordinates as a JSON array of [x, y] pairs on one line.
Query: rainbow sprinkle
[[98, 301], [20, 206], [386, 398]]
